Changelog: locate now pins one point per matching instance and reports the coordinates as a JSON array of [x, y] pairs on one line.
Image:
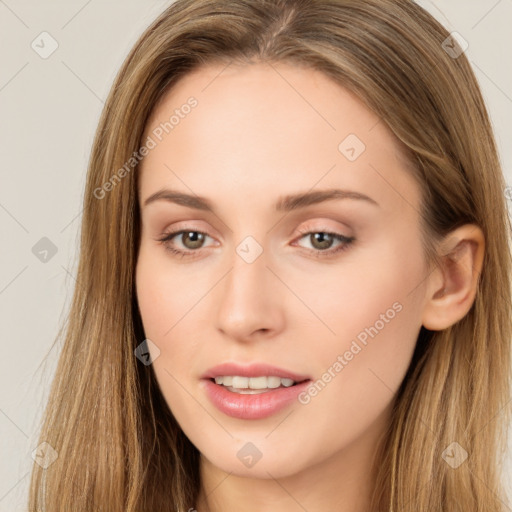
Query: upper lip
[[252, 370]]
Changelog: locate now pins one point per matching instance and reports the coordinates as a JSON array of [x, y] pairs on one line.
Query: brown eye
[[192, 239], [321, 240]]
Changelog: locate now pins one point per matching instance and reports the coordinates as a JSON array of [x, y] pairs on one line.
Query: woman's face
[[260, 279]]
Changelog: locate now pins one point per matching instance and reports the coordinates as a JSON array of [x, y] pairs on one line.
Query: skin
[[260, 132]]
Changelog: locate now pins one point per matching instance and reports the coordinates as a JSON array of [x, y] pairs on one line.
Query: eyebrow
[[284, 204]]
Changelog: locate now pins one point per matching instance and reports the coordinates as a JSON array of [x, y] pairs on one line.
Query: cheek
[[164, 296], [374, 310], [154, 300], [172, 307], [349, 297], [164, 304]]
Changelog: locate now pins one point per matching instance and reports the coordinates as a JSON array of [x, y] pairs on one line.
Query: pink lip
[[252, 407], [247, 406], [252, 370]]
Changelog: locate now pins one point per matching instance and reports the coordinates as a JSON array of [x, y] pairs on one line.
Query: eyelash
[[347, 241]]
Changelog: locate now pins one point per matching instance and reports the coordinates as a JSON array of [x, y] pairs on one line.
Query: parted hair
[[119, 446]]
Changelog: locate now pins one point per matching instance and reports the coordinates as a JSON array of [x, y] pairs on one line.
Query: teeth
[[253, 382]]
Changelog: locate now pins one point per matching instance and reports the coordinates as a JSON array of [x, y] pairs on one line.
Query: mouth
[[253, 391], [254, 385], [246, 403], [255, 370]]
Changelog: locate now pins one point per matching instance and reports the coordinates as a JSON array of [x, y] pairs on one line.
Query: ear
[[451, 289]]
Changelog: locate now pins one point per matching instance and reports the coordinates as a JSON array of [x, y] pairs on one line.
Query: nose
[[250, 301]]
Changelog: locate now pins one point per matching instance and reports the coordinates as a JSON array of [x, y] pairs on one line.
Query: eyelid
[[190, 225], [181, 228], [323, 228], [176, 233]]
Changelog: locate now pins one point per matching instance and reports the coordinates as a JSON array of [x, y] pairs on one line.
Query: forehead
[[263, 127], [293, 98]]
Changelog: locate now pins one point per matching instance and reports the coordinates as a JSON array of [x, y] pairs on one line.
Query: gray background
[[49, 111]]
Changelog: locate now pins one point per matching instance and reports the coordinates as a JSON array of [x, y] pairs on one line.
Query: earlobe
[[451, 289]]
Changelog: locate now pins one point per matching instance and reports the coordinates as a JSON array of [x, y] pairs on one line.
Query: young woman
[[294, 278]]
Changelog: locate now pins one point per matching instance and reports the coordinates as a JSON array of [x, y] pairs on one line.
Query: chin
[[276, 465]]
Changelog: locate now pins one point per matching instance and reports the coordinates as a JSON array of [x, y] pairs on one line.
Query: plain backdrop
[[49, 109]]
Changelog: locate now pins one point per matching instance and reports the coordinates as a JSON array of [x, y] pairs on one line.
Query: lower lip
[[252, 407]]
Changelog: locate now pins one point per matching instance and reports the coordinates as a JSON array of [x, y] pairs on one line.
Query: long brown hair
[[119, 447]]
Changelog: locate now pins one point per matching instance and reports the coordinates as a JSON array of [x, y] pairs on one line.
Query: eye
[[322, 242], [191, 239]]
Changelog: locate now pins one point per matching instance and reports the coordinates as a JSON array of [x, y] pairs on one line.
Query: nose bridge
[[248, 299], [245, 284]]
